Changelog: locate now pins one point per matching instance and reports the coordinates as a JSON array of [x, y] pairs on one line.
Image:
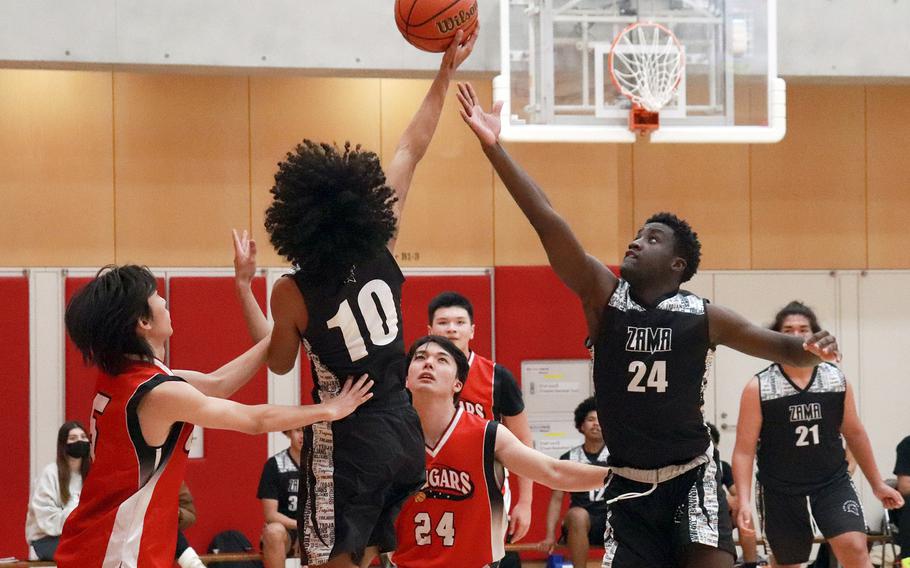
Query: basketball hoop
[[646, 65]]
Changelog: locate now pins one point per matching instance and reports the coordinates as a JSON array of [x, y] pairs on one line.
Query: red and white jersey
[[127, 513], [477, 397], [457, 518]]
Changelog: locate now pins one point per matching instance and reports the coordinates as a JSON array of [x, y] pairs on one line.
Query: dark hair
[[715, 433], [796, 308], [331, 210], [450, 299], [582, 411], [101, 318], [63, 467], [687, 245], [461, 362]]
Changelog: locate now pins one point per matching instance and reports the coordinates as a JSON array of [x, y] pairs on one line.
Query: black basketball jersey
[[595, 499], [650, 371], [280, 480], [355, 328], [800, 448]]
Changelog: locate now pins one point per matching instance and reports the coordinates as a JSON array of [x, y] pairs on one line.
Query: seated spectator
[[57, 491], [902, 471], [585, 521], [185, 555], [278, 487]]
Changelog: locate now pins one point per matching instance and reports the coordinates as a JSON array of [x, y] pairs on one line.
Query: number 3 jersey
[[650, 370], [457, 518], [127, 513], [355, 327], [800, 448]]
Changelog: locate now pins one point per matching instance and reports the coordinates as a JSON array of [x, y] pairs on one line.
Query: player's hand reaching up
[[824, 346], [459, 50], [486, 125], [352, 395], [244, 257], [890, 497]]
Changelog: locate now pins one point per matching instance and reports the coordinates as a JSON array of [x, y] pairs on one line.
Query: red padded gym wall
[[80, 379], [14, 392], [415, 296], [209, 331], [537, 317]]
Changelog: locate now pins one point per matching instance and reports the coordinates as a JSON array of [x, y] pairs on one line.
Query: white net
[[646, 63]]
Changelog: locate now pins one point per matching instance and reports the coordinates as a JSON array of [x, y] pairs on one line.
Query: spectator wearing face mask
[[56, 491]]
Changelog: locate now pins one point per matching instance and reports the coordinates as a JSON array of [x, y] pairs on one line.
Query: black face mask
[[77, 449]]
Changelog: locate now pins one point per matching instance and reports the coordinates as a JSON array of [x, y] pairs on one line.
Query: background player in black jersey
[[652, 345], [492, 391], [586, 518], [798, 417], [278, 491], [334, 216]]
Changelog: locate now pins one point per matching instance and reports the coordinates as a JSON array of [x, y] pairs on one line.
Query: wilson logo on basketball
[[446, 25], [447, 483]]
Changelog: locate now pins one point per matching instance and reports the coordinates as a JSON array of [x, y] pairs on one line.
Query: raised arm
[[557, 474], [417, 136], [591, 281], [858, 443], [731, 329], [176, 401], [748, 429], [244, 272]]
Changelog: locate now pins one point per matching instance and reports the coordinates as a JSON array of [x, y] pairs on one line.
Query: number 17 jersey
[[355, 327], [650, 371]]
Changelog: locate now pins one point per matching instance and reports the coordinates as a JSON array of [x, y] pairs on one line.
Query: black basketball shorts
[[357, 472], [786, 522]]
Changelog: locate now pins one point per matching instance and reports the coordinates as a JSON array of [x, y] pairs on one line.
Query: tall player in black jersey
[[334, 216], [652, 345], [798, 417]]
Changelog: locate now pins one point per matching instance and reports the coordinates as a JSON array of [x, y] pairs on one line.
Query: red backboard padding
[[14, 392], [80, 379], [209, 331]]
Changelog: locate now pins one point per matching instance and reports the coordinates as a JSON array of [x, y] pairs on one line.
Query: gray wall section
[[840, 38]]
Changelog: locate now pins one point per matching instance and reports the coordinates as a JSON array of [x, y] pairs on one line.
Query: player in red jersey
[[457, 518], [142, 417], [490, 392]]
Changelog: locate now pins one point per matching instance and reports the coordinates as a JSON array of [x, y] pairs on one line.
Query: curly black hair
[[331, 209], [687, 245], [796, 308], [582, 411]]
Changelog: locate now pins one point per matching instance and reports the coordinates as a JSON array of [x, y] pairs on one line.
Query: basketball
[[430, 25]]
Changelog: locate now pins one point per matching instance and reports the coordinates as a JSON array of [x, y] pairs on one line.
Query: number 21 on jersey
[[377, 309]]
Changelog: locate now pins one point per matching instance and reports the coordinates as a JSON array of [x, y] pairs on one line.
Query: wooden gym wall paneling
[[182, 167], [582, 181], [448, 217], [209, 332], [708, 185], [15, 393], [284, 111], [888, 115], [56, 168], [808, 191]]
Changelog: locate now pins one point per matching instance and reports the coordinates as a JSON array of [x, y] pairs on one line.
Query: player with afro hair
[[334, 215]]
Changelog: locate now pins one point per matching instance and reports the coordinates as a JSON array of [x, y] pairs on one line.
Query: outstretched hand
[[244, 257], [459, 50], [486, 125], [824, 346], [352, 395]]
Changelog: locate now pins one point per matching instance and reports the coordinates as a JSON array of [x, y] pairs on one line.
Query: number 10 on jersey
[[377, 309]]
